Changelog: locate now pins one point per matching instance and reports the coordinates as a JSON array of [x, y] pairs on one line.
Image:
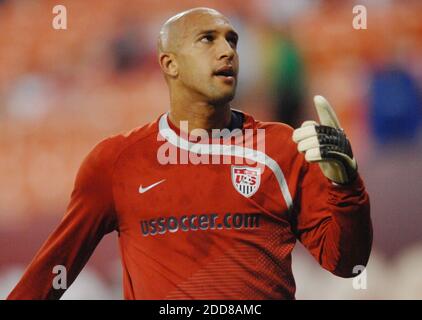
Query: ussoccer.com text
[[195, 222]]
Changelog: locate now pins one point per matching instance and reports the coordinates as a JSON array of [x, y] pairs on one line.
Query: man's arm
[[333, 217], [333, 221], [89, 216]]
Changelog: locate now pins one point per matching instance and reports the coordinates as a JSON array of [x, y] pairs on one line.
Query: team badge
[[246, 180]]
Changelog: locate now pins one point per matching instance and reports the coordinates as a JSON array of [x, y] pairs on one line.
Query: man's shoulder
[[109, 149]]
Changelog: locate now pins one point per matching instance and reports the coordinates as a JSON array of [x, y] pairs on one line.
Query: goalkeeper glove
[[327, 144]]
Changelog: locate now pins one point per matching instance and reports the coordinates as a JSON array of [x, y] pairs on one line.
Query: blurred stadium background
[[62, 91]]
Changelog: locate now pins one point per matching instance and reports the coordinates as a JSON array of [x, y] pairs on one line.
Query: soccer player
[[202, 228]]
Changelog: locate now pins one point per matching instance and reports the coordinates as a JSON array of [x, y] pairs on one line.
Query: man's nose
[[225, 50]]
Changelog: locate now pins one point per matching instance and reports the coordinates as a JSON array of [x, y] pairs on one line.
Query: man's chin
[[223, 99]]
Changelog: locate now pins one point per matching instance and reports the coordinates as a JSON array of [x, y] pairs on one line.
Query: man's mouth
[[226, 73]]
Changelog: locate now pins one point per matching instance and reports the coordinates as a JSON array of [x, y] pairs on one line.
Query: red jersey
[[217, 230]]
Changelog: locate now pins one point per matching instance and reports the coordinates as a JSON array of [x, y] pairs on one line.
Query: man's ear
[[168, 64]]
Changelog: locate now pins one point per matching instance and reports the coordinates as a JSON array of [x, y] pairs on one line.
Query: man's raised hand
[[327, 144]]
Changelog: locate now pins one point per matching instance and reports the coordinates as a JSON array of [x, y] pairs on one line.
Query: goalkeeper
[[202, 230]]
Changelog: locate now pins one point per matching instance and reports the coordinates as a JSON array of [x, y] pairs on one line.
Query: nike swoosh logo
[[143, 190]]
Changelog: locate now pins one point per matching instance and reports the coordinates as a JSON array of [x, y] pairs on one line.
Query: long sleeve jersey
[[209, 219]]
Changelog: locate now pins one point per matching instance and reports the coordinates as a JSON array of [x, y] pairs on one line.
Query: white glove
[[327, 144]]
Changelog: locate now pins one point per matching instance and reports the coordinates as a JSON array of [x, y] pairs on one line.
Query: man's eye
[[233, 42], [207, 39]]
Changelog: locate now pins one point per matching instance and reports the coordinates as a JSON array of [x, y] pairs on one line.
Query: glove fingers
[[313, 155], [327, 144], [308, 143], [308, 123], [305, 131], [326, 113]]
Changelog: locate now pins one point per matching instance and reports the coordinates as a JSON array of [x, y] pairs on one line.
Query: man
[[210, 229]]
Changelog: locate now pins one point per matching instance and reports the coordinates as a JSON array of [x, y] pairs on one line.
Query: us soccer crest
[[246, 180]]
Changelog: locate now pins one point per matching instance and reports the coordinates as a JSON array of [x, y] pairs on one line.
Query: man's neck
[[201, 115]]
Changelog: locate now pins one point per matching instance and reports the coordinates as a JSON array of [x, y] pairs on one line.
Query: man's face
[[207, 60]]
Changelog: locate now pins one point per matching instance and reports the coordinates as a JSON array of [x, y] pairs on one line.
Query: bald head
[[173, 30], [197, 54]]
